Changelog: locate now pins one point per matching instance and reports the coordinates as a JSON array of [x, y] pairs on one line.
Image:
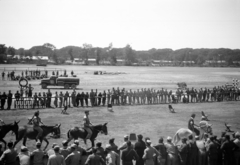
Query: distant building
[[120, 62], [91, 61], [68, 62], [78, 61]]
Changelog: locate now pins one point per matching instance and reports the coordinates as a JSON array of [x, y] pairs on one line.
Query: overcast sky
[[144, 24]]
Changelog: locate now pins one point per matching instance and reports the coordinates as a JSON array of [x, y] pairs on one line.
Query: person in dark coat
[[162, 158], [128, 155], [139, 147], [104, 96], [78, 99], [99, 98], [49, 98], [193, 151], [86, 97], [3, 100], [228, 148], [183, 152], [9, 99], [81, 98], [212, 152]]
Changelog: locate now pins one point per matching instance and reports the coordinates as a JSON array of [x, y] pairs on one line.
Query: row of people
[[122, 97], [208, 151]]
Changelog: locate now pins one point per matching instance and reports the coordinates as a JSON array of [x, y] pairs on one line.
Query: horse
[[184, 133], [28, 132], [76, 132], [6, 128]]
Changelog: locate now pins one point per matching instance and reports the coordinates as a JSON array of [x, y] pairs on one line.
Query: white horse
[[204, 127]]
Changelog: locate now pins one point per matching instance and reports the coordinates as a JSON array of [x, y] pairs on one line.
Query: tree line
[[127, 53]]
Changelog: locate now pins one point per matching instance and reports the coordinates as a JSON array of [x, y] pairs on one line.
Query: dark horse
[[6, 128], [28, 132], [76, 132]]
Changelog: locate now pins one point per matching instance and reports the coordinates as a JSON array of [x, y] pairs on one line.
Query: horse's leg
[[16, 142], [92, 140], [5, 144], [46, 142]]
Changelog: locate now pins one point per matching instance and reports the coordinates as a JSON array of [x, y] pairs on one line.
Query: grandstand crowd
[[116, 97], [192, 151]]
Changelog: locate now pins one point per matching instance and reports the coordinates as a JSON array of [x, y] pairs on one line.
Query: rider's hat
[[193, 115], [87, 111]]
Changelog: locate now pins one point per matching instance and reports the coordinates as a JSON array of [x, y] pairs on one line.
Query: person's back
[[9, 157], [149, 154], [56, 159], [24, 156], [74, 157], [94, 159], [37, 155], [128, 155]]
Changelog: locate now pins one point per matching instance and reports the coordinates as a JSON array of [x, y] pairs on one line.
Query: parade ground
[[150, 120]]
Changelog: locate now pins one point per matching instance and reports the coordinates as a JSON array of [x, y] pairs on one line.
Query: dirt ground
[[150, 120]]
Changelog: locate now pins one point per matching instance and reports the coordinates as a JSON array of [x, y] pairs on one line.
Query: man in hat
[[56, 158], [64, 150], [193, 151], [36, 120], [212, 152], [37, 155], [172, 151], [100, 150], [128, 155], [79, 148], [139, 147], [113, 145], [112, 157], [94, 158], [87, 125], [9, 157], [149, 153], [75, 156], [24, 156], [183, 152], [162, 152], [51, 150], [124, 145]]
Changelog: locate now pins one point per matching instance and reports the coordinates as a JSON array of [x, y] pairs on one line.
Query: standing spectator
[[172, 152], [95, 159], [79, 148], [64, 150], [193, 151], [202, 153], [49, 98], [60, 99], [212, 152], [24, 156], [66, 96], [183, 152], [227, 148], [44, 99], [114, 147], [3, 100], [56, 100], [9, 157], [124, 145], [100, 150], [162, 158], [149, 153], [99, 98], [128, 155], [74, 157], [30, 91], [8, 76], [86, 97], [139, 147], [112, 157], [56, 159], [51, 150], [78, 99], [35, 100], [40, 99], [3, 75], [9, 99], [81, 98], [73, 97], [104, 95], [237, 151], [37, 155]]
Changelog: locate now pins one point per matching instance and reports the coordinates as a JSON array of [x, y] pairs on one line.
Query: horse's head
[[104, 129], [14, 128], [56, 131]]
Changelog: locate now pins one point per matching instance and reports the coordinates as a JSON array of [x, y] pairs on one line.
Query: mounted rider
[[191, 124], [87, 125], [36, 120]]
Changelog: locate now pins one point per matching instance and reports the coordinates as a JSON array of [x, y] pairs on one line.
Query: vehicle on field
[[66, 82]]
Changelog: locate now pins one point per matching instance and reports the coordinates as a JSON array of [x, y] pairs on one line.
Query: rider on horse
[[191, 123], [36, 120], [87, 125]]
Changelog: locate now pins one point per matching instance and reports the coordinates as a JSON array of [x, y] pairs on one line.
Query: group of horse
[[27, 132]]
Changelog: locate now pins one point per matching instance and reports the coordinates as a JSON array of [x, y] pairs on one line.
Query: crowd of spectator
[[116, 97], [208, 151]]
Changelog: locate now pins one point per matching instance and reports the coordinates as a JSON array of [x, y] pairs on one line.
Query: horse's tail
[[176, 138]]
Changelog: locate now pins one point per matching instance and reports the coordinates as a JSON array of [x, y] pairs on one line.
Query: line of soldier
[[118, 97]]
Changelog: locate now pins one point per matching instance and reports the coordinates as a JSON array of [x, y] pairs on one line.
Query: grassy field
[[150, 120]]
